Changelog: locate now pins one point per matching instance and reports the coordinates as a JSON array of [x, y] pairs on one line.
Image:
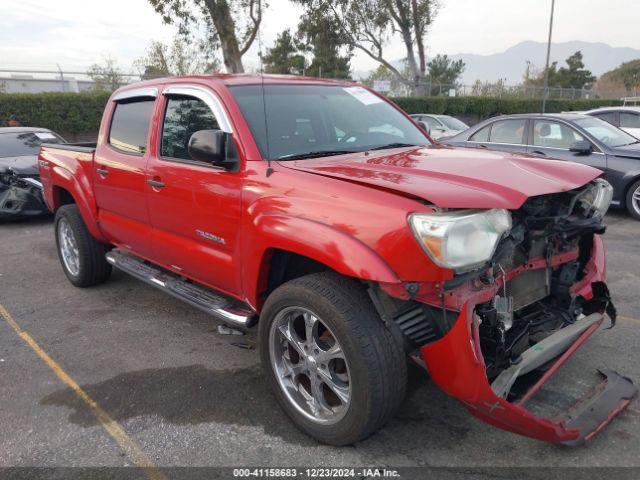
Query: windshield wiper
[[316, 154], [394, 145]]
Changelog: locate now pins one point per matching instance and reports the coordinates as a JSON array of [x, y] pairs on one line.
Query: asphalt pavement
[[177, 393]]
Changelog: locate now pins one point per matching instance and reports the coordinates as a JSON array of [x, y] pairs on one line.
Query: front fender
[[323, 243]]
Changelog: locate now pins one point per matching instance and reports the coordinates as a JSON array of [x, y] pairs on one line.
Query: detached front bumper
[[456, 364], [17, 201]]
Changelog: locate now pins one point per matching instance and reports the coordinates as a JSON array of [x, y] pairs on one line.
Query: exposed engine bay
[[537, 303], [20, 195]]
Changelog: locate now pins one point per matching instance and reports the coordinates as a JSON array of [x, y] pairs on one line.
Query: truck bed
[[85, 147]]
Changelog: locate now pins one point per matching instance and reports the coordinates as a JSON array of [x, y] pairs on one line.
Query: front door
[[194, 207], [553, 139], [119, 175]]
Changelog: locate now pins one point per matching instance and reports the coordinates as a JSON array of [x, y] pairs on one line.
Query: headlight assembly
[[460, 239], [597, 198]]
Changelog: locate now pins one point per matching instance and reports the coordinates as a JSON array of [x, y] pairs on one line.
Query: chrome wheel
[[635, 200], [68, 247], [310, 365]]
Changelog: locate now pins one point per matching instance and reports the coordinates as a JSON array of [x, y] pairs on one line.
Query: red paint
[[348, 212]]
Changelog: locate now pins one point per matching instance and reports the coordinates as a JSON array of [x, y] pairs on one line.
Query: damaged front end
[[504, 329], [20, 195]]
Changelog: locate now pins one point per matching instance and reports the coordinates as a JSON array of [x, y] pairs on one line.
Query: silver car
[[440, 126]]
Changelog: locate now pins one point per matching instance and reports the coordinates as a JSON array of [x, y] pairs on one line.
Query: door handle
[[538, 152], [482, 146], [103, 172], [155, 183]]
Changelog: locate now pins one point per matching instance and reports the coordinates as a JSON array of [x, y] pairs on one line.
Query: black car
[[20, 187], [566, 136]]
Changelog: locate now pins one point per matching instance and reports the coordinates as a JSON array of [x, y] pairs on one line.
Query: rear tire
[[633, 200], [82, 257], [372, 368]]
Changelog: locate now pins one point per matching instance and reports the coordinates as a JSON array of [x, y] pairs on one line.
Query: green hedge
[[60, 112], [483, 107], [81, 112]]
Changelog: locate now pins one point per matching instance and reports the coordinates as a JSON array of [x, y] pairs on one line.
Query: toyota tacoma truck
[[321, 213]]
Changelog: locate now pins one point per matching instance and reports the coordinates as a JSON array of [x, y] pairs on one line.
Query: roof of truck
[[239, 79]]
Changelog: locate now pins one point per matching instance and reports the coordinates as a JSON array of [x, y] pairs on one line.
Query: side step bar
[[221, 306]]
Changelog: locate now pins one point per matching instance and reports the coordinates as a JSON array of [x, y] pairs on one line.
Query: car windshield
[[25, 143], [306, 121], [452, 123], [605, 132]]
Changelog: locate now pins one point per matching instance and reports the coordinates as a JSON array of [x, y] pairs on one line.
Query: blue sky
[[38, 34]]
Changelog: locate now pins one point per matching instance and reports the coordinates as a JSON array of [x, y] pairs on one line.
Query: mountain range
[[512, 63]]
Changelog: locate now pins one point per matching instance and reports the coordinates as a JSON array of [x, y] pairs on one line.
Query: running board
[[221, 306]]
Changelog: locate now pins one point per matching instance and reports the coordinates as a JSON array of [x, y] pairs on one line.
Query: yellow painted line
[[628, 319], [131, 448]]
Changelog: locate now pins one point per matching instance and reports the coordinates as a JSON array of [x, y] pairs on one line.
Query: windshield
[[452, 123], [303, 121], [25, 143], [605, 132]]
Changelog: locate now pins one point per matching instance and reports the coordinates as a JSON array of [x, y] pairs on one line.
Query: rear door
[[553, 139], [194, 207], [119, 172]]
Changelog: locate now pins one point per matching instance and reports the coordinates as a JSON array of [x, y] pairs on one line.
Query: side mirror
[[426, 127], [212, 146], [581, 147]]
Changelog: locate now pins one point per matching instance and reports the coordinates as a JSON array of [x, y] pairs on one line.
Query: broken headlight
[[597, 198], [460, 239]]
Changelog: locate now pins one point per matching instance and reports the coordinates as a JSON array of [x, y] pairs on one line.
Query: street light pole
[[546, 68]]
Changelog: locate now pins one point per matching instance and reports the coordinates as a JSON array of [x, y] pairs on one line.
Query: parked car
[[20, 187], [321, 212], [578, 138], [625, 118], [440, 126]]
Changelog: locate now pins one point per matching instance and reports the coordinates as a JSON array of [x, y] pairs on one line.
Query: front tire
[[82, 256], [633, 200], [335, 368]]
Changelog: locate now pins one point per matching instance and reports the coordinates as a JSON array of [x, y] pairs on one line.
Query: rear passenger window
[[481, 135], [130, 126], [629, 120], [183, 117], [508, 131]]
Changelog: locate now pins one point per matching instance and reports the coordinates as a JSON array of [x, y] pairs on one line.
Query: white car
[[440, 126], [625, 118]]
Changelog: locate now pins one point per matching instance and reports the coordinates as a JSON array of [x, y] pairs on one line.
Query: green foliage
[[484, 107], [106, 75], [574, 75], [324, 38], [284, 57], [628, 73], [444, 70], [61, 112]]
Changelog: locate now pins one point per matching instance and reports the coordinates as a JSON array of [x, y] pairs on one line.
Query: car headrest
[[545, 130]]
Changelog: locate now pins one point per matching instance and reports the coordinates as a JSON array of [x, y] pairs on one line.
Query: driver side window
[[183, 117]]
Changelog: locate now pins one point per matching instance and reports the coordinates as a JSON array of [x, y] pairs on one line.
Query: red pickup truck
[[323, 214]]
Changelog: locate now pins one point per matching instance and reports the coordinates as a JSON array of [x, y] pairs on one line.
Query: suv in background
[[625, 118]]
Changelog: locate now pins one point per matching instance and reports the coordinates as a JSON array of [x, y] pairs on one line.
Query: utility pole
[[546, 68]]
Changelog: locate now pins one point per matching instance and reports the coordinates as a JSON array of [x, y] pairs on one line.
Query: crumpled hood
[[454, 177], [27, 165]]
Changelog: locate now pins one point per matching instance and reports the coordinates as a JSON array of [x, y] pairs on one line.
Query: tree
[[444, 71], [234, 24], [574, 75], [284, 57], [327, 43], [627, 76], [369, 24], [184, 56], [106, 76]]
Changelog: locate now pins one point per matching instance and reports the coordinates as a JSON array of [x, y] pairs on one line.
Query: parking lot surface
[[185, 396]]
